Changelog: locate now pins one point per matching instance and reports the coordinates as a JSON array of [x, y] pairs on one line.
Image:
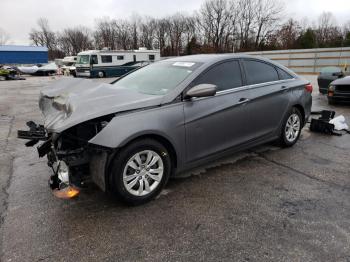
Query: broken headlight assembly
[[68, 153]]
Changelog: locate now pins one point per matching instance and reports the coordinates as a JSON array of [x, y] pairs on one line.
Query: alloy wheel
[[292, 129], [143, 172]]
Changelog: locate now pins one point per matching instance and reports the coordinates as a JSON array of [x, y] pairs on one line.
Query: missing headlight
[[80, 134]]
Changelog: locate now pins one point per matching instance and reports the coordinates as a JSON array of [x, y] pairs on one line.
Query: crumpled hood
[[71, 101], [342, 81]]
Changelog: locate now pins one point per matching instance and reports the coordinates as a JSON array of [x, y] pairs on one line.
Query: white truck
[[113, 63]]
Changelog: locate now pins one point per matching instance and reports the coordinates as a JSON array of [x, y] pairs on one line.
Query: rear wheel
[[140, 171], [101, 74], [291, 128]]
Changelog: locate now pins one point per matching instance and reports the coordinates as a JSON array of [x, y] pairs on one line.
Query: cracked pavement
[[265, 204]]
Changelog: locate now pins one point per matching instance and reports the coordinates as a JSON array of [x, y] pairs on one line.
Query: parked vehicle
[[106, 63], [130, 136], [68, 65], [9, 73], [39, 70], [327, 75], [339, 90]]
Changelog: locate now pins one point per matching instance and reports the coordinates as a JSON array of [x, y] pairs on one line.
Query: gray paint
[[200, 128], [342, 81]]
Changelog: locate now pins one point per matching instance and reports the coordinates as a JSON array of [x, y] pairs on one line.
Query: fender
[[166, 121]]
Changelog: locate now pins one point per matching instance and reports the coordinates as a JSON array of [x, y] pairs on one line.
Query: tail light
[[308, 88]]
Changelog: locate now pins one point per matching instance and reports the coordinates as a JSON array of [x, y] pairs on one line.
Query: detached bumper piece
[[35, 134]]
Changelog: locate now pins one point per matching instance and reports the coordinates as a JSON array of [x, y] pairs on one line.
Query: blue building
[[15, 54]]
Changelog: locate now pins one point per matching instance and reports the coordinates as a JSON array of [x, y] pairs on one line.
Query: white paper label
[[183, 64]]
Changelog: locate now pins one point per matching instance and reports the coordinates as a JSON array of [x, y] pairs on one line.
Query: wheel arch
[[161, 139], [301, 110]]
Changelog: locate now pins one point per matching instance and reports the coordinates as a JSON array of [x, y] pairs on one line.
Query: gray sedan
[[130, 136]]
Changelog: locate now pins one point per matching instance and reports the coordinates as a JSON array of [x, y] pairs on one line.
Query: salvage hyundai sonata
[[130, 136]]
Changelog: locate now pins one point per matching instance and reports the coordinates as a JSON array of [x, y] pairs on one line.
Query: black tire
[[331, 101], [101, 74], [283, 140], [116, 183]]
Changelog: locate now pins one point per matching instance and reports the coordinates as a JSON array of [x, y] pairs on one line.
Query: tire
[[101, 74], [331, 101], [128, 173], [291, 128]]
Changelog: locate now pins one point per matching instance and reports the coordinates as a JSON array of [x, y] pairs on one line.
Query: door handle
[[243, 101]]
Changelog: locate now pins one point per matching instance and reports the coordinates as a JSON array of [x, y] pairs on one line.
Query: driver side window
[[225, 76], [94, 60]]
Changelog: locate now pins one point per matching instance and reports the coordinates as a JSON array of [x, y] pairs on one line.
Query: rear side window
[[151, 57], [259, 72], [225, 76], [106, 58], [283, 75], [120, 57]]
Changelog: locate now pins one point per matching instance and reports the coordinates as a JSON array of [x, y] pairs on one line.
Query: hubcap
[[292, 128], [143, 173]]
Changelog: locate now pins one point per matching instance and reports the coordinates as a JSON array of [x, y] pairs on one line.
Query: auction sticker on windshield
[[183, 64]]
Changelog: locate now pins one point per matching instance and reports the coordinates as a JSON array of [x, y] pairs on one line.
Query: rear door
[[214, 124], [270, 95]]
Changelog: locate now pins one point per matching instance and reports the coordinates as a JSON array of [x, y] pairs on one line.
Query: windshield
[[83, 59], [159, 78], [330, 70]]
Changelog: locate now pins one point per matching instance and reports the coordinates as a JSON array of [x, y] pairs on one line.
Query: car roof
[[211, 58]]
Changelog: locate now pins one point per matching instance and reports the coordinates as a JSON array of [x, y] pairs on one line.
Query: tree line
[[218, 26]]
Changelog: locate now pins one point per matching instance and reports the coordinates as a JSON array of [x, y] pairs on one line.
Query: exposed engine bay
[[69, 154], [75, 111]]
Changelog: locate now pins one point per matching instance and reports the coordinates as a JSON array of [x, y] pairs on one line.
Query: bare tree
[[44, 36], [267, 14], [4, 37], [74, 40], [217, 21], [246, 22], [105, 34], [147, 32], [288, 34], [327, 30]]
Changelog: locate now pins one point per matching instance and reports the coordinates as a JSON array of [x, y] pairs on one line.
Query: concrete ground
[[266, 204]]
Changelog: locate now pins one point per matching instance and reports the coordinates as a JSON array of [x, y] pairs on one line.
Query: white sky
[[17, 17]]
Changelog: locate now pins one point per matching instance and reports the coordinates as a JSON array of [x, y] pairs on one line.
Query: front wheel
[[291, 128], [140, 171]]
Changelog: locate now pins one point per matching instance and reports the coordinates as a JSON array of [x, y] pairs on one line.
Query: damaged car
[[339, 91], [130, 136]]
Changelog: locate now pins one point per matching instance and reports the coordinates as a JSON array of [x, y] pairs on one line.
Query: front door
[[217, 123]]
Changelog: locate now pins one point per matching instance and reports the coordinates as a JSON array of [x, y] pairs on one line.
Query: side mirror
[[202, 90]]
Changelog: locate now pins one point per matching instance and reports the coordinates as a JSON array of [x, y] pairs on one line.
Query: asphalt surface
[[265, 204]]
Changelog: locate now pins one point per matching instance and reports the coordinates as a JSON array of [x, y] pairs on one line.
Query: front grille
[[343, 89]]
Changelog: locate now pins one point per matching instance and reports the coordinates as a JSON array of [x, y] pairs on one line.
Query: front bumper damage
[[70, 164]]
